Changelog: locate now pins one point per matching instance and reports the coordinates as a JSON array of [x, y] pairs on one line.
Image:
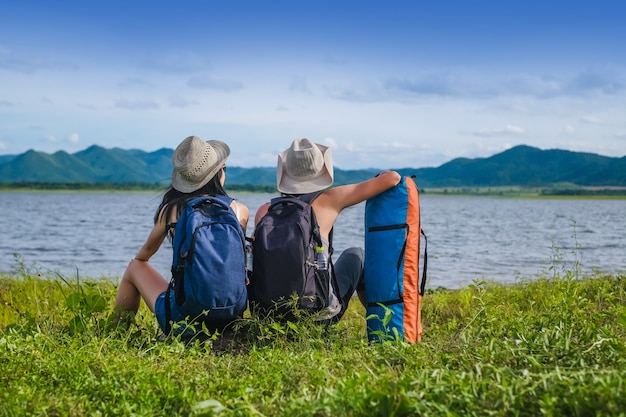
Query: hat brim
[[290, 185], [180, 183]]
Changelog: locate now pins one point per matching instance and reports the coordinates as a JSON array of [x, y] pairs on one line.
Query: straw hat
[[304, 168], [196, 162]]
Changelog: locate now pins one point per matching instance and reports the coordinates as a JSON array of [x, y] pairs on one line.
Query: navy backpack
[[209, 263]]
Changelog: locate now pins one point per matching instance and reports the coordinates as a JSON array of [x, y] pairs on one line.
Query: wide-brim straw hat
[[196, 162], [304, 168]]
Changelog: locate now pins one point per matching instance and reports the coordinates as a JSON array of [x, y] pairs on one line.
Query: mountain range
[[519, 166]]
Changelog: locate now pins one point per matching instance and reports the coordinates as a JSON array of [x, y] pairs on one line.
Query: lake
[[469, 238]]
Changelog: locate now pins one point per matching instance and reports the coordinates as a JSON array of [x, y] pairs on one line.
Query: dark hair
[[175, 200]]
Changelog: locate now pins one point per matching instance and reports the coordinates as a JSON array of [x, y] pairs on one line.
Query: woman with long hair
[[199, 170]]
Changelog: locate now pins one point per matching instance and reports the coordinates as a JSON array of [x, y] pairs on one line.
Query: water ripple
[[469, 238]]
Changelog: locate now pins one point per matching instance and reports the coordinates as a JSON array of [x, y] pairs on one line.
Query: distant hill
[[527, 166], [518, 166]]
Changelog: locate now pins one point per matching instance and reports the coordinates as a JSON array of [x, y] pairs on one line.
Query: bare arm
[[243, 213], [351, 194], [154, 241], [328, 205], [261, 211]]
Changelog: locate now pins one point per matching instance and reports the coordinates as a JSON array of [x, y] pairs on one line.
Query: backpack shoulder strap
[[285, 200], [226, 199], [300, 200], [309, 198], [222, 199]]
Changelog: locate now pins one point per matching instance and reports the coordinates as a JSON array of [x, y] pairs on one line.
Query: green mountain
[[94, 164], [41, 167], [257, 176], [6, 158], [528, 166], [521, 166]]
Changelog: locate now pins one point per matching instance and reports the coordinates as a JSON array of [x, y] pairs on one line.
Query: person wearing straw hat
[[307, 167], [198, 169]]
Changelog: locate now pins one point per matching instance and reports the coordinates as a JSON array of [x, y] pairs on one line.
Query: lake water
[[469, 238]]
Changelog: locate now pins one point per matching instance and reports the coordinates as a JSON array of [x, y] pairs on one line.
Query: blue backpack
[[209, 263], [391, 273]]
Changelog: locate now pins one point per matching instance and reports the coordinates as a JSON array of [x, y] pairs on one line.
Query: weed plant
[[552, 345]]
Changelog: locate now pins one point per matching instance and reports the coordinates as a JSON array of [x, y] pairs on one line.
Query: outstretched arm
[[333, 201], [351, 194]]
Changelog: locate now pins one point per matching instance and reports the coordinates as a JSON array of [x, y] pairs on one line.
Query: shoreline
[[549, 192]]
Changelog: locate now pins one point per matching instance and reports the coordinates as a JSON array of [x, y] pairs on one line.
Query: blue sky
[[386, 84]]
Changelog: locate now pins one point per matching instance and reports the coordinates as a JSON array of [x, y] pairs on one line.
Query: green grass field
[[548, 346]]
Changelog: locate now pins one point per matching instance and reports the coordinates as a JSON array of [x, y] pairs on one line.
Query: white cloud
[[377, 150], [568, 129], [136, 104], [86, 106], [331, 143], [507, 130], [253, 159], [134, 83], [468, 84], [436, 84], [3, 145], [23, 63], [177, 62], [211, 83], [299, 84], [51, 139], [400, 145], [181, 102], [593, 120], [528, 85], [593, 80], [73, 138], [351, 147], [362, 94]]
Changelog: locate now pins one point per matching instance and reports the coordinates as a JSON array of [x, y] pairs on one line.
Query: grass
[[547, 346]]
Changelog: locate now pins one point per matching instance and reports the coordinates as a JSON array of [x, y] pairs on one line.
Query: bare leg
[[140, 280]]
